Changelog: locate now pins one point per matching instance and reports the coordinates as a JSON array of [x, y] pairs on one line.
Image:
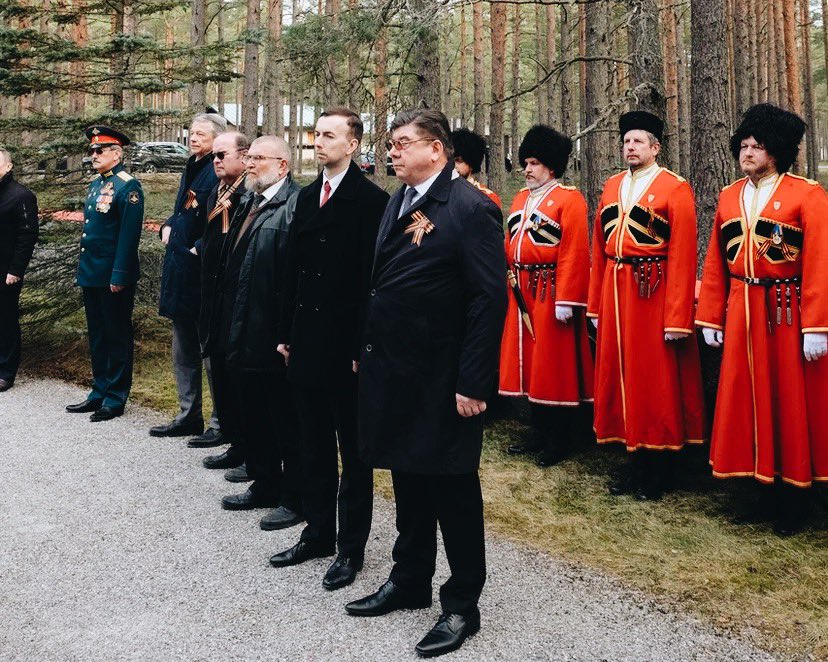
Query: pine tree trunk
[[710, 115], [741, 57], [354, 82], [274, 121], [479, 80], [647, 70], [331, 87], [684, 92], [250, 91], [198, 39], [553, 89], [514, 139], [294, 99], [781, 72], [671, 64], [809, 109], [731, 67], [464, 102], [753, 35], [793, 89], [763, 51], [426, 54], [221, 90], [599, 149], [569, 31], [496, 173], [541, 93], [116, 63], [825, 37], [380, 104]]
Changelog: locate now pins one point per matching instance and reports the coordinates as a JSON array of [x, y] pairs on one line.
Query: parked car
[[367, 164], [157, 157]]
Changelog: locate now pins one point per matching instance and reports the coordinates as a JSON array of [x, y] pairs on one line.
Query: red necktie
[[327, 189]]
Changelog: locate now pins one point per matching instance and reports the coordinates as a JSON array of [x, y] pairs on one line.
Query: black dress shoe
[[175, 429], [250, 499], [227, 460], [622, 484], [281, 518], [388, 598], [85, 407], [106, 414], [342, 572], [299, 553], [5, 385], [549, 457], [237, 474], [523, 449], [209, 439], [448, 634]]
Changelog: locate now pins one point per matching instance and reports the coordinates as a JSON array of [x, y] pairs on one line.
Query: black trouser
[[111, 342], [9, 329], [554, 425], [270, 434], [328, 415], [456, 503], [227, 401]]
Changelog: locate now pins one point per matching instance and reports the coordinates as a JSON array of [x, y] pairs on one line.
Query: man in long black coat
[[18, 235], [330, 253], [430, 354]]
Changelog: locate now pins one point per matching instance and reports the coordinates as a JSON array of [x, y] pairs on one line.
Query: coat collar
[[348, 189], [438, 191]]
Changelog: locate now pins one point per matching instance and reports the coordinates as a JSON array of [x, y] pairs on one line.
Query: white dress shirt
[[755, 197], [635, 183], [271, 191], [333, 181]]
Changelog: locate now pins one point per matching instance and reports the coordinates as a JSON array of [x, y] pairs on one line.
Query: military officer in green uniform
[[108, 272]]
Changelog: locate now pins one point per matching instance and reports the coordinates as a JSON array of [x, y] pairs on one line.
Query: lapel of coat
[[276, 201], [438, 192], [347, 190]]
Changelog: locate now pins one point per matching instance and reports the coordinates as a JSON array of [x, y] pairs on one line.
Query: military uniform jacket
[[181, 274], [329, 259], [771, 416], [113, 217], [434, 320]]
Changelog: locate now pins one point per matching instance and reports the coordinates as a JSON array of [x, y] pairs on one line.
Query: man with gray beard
[[247, 304]]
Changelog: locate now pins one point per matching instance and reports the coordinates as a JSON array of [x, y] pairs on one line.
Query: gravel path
[[114, 547]]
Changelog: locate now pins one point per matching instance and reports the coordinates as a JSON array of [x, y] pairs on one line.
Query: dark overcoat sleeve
[[483, 266], [26, 237], [290, 273]]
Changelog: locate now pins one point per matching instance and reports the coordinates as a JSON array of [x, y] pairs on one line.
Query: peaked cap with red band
[[104, 135]]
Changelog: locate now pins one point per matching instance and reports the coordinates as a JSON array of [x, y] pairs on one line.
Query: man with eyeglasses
[[228, 161], [249, 372], [429, 360], [330, 253], [180, 296], [108, 271]]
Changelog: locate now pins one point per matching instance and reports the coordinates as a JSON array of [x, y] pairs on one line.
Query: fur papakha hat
[[550, 147], [778, 131], [469, 146]]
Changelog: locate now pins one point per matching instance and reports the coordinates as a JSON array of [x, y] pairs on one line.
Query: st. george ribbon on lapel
[[421, 225]]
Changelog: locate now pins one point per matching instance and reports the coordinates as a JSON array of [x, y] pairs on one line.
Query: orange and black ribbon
[[191, 202], [223, 205]]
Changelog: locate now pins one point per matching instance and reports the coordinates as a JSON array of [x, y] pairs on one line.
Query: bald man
[[248, 297]]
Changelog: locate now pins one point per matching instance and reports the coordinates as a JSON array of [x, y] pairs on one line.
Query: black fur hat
[[641, 119], [548, 146], [470, 147], [777, 130]]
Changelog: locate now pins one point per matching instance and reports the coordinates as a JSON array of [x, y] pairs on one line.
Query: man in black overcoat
[[18, 235], [429, 357], [330, 253]]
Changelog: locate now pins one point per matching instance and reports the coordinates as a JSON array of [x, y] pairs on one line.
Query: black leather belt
[[776, 285]]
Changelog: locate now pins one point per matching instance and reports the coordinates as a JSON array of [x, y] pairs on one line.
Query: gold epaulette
[[566, 188], [125, 175], [675, 174], [738, 181], [525, 188], [812, 182]]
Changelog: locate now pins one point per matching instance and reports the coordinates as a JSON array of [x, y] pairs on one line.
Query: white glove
[[713, 337], [675, 335], [814, 345], [594, 321], [563, 313]]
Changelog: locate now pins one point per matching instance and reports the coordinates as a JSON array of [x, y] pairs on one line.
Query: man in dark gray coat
[[246, 366], [429, 358]]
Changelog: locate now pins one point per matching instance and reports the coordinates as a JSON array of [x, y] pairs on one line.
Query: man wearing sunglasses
[[180, 296], [108, 271]]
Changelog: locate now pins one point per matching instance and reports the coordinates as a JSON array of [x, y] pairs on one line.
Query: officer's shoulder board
[[124, 175], [738, 181], [674, 174], [566, 188], [812, 182], [525, 188]]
